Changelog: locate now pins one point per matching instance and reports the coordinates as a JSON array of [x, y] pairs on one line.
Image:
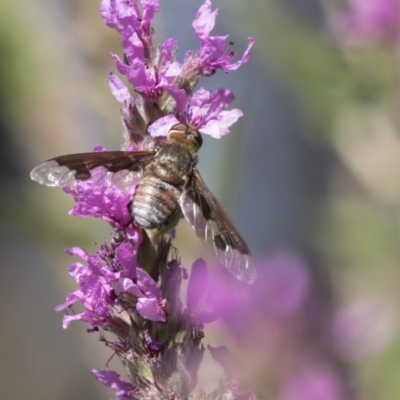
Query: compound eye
[[198, 138], [195, 134], [179, 128]]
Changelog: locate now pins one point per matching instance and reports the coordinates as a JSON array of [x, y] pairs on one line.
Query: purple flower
[[367, 21], [197, 291], [206, 113], [103, 202], [150, 83], [279, 293], [363, 328], [197, 284], [104, 279], [95, 293], [119, 89], [149, 302], [215, 51], [111, 379]]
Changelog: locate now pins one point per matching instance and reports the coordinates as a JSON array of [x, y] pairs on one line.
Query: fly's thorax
[[174, 164]]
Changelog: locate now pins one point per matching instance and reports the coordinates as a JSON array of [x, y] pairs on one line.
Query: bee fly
[[169, 184]]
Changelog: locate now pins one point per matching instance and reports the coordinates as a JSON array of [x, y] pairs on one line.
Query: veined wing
[[214, 226], [119, 167]]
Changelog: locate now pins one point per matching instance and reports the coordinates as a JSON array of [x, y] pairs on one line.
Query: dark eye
[[198, 138], [192, 131], [180, 128]]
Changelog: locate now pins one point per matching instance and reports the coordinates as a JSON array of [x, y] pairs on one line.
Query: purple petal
[[147, 285], [98, 148], [118, 89], [71, 299], [218, 128], [128, 286], [140, 78], [108, 12], [126, 254], [197, 283], [245, 58], [112, 380], [204, 20], [172, 70], [77, 252], [127, 12], [155, 346], [179, 95], [168, 50], [150, 7], [121, 66], [133, 234], [133, 47], [84, 316], [77, 270], [200, 101], [150, 309], [199, 107], [220, 99], [162, 126]]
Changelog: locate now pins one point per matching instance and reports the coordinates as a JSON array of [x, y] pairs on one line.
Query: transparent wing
[[119, 167], [213, 225]]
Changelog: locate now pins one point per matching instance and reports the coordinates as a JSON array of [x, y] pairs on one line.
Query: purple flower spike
[[129, 289]]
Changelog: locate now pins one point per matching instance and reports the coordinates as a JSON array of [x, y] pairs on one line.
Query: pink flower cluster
[[367, 22]]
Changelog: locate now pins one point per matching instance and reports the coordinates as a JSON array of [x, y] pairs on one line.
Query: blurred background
[[310, 175]]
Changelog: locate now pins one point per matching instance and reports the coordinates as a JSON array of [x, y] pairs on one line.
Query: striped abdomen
[[154, 203]]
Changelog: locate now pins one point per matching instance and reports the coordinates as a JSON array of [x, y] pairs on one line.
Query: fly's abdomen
[[154, 203]]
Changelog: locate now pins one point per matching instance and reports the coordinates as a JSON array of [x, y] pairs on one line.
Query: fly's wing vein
[[214, 226]]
